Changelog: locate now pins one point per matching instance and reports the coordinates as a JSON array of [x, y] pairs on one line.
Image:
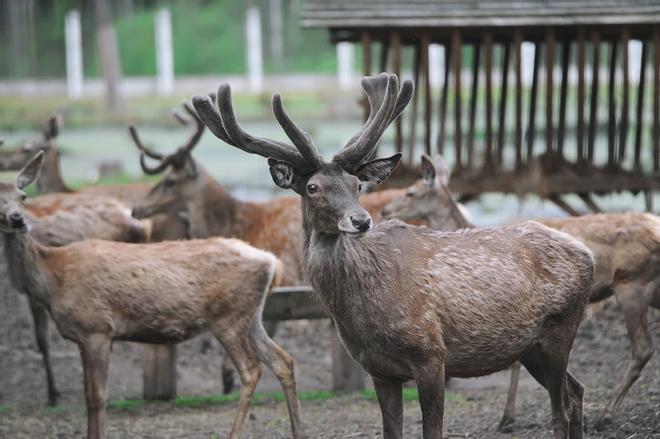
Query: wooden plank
[[476, 59], [593, 105], [581, 57], [531, 124], [503, 99], [517, 44], [488, 71], [443, 101], [639, 117], [456, 50], [159, 372], [549, 92], [625, 116], [292, 303], [563, 94], [424, 61], [412, 133], [384, 51], [347, 374], [395, 45], [656, 99], [611, 103]]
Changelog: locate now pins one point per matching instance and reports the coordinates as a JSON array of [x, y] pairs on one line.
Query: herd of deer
[[161, 264]]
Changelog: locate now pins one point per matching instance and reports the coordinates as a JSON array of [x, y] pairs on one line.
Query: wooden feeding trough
[[581, 90]]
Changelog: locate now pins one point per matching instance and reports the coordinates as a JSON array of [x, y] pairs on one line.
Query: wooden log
[[395, 45], [424, 65], [456, 50], [443, 101], [517, 44], [625, 116], [159, 372], [488, 71], [611, 102], [656, 99], [503, 98], [292, 303], [347, 374], [639, 117], [531, 124], [563, 94], [412, 133], [593, 105], [549, 92], [473, 103], [581, 56]]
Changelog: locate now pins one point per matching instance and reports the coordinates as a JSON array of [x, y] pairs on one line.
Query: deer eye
[[22, 196], [169, 183], [359, 187], [409, 194], [312, 188]]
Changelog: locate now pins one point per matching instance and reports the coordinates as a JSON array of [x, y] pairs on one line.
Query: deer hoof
[[53, 398], [505, 424], [603, 421]]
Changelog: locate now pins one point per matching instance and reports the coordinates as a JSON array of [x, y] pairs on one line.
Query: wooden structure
[[580, 68], [290, 303]]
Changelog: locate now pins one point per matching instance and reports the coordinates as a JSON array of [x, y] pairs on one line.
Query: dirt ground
[[472, 408]]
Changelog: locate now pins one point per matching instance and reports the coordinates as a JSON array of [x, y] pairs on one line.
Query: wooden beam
[[456, 50], [412, 133], [443, 101], [581, 57], [488, 66], [611, 102], [531, 124], [292, 303], [590, 202], [424, 61], [159, 372], [384, 51], [656, 99], [506, 49], [563, 205], [395, 45], [639, 117], [476, 59], [347, 374], [517, 45], [593, 105], [563, 94], [549, 92], [625, 116]]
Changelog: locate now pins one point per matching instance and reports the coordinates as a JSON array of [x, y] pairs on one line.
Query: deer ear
[[376, 171], [283, 173], [30, 171], [52, 127], [428, 170]]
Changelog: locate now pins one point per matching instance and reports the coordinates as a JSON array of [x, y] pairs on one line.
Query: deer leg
[[281, 363], [635, 309], [575, 392], [510, 408], [40, 317], [246, 362], [228, 383], [431, 387], [95, 354], [390, 399]]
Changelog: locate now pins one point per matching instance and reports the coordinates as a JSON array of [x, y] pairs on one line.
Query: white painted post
[[527, 50], [436, 64], [74, 66], [253, 47], [164, 53], [634, 60], [345, 65]]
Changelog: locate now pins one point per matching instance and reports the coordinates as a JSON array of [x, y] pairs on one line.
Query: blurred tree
[[106, 40]]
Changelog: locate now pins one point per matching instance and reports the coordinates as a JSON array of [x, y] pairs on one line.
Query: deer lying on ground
[[413, 303], [101, 291], [626, 247]]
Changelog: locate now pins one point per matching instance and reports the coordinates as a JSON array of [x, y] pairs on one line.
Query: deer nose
[[361, 223]]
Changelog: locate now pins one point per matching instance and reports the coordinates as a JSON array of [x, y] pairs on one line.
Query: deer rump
[[485, 295]]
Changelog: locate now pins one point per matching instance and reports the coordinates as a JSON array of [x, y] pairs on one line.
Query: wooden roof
[[347, 14]]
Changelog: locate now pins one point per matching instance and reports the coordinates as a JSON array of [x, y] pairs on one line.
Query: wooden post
[[656, 99], [640, 107], [159, 372], [412, 134], [625, 116], [611, 99], [395, 45], [424, 65], [366, 68], [506, 47], [563, 94], [473, 103], [593, 105], [517, 47], [456, 50], [109, 55], [347, 374], [253, 47], [74, 64], [164, 52], [443, 101], [531, 124], [488, 67], [549, 92], [581, 56]]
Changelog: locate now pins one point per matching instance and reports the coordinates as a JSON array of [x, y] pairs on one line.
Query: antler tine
[[183, 120], [156, 170], [300, 138], [199, 126], [225, 126], [143, 148], [362, 146]]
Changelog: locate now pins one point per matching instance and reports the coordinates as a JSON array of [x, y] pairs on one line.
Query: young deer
[[100, 291], [626, 247], [413, 303]]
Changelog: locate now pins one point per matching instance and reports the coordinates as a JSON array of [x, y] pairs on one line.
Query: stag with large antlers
[[621, 243], [413, 303], [101, 291]]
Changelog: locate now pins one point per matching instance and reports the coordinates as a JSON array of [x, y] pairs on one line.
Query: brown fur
[[100, 291], [626, 247]]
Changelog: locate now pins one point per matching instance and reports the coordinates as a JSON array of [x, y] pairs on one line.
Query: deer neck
[[25, 263], [214, 212], [50, 180], [452, 218]]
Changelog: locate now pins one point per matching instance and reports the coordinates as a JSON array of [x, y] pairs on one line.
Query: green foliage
[[125, 405], [4, 408], [258, 398]]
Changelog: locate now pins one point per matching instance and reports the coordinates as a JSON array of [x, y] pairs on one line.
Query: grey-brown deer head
[[12, 216], [329, 190]]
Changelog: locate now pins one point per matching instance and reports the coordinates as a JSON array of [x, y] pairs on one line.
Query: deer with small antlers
[[101, 291], [413, 303], [626, 247]]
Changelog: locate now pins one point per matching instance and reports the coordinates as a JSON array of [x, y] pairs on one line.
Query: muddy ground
[[472, 409]]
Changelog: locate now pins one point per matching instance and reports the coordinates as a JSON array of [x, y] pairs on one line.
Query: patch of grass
[[4, 408], [259, 398], [409, 395], [55, 410], [125, 405]]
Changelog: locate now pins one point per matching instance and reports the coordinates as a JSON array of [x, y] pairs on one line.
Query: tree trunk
[[106, 39]]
